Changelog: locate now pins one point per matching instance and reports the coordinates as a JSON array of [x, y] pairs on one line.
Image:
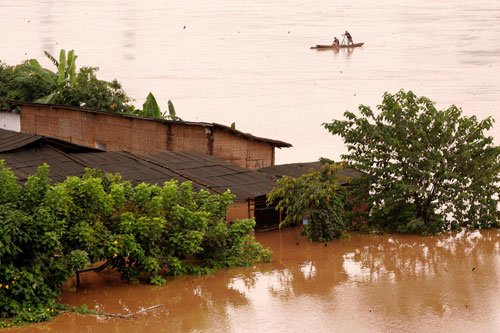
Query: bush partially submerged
[[430, 170], [48, 232], [317, 196]]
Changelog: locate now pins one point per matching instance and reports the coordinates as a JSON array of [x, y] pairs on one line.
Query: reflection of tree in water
[[198, 302], [301, 267], [412, 275], [401, 275], [387, 279]]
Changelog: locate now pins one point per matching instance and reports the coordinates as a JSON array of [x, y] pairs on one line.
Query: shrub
[[48, 232]]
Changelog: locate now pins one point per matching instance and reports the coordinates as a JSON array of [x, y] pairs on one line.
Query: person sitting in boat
[[349, 37], [335, 41]]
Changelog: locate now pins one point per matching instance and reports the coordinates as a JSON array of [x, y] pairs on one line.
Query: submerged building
[[117, 132], [23, 153], [213, 157]]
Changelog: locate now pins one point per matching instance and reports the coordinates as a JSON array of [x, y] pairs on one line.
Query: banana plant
[[151, 109], [171, 111], [65, 76]]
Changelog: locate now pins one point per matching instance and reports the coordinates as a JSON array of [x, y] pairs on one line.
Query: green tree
[[13, 88], [429, 170], [33, 262], [30, 82], [317, 196], [92, 93], [65, 76]]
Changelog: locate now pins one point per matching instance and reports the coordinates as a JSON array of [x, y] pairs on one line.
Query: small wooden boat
[[334, 47]]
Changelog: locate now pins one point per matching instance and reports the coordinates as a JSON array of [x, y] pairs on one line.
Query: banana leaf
[[150, 107], [49, 99], [61, 69], [72, 66]]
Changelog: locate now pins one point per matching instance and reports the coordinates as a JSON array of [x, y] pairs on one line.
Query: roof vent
[[100, 145]]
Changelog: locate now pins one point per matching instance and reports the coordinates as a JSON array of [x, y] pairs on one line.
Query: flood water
[[389, 283], [249, 62]]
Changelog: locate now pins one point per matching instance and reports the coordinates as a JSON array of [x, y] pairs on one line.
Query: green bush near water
[[316, 195], [47, 232]]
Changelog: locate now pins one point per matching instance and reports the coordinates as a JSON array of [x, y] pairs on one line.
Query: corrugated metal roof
[[215, 174], [292, 170], [24, 162], [10, 140], [298, 169], [129, 167], [206, 172]]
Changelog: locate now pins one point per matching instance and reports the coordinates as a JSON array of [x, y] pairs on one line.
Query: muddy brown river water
[[389, 283]]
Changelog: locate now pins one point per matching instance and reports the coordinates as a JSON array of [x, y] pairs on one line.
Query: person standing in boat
[[349, 37], [335, 41]]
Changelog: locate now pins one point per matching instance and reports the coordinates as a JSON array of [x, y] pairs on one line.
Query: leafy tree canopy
[[429, 170], [67, 85], [317, 196]]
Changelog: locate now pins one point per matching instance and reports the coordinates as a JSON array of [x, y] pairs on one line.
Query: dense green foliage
[[317, 196], [95, 94], [47, 232], [30, 82], [429, 170], [65, 76], [14, 88]]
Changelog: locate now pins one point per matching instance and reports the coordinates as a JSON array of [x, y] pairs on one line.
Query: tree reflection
[[399, 275], [411, 275]]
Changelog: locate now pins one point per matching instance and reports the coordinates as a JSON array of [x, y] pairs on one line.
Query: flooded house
[[212, 156], [269, 218], [118, 132], [23, 153]]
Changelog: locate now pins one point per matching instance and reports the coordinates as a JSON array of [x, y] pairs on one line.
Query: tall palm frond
[[72, 66], [61, 69]]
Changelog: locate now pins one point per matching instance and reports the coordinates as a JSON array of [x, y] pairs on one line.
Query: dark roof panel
[[25, 162], [298, 169], [216, 174], [292, 169], [206, 172], [10, 140]]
